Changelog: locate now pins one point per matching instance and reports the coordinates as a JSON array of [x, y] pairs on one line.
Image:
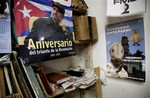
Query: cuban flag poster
[[44, 29]]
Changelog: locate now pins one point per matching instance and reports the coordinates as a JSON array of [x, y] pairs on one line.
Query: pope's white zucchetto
[[116, 51]]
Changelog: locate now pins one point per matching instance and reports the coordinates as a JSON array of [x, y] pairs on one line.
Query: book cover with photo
[[44, 29], [125, 47]]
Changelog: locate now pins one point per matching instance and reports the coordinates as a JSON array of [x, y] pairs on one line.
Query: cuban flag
[[25, 9]]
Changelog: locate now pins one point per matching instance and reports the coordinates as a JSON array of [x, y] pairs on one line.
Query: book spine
[[32, 80], [41, 85], [2, 83], [8, 80], [45, 81], [20, 77], [15, 80]]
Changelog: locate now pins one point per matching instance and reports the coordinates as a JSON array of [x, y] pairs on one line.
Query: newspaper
[[88, 79]]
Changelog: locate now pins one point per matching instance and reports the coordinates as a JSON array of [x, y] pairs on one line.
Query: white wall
[[117, 88]]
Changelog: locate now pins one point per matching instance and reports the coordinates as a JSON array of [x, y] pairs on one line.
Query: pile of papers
[[88, 79]]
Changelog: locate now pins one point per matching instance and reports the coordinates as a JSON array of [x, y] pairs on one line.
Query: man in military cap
[[50, 29], [115, 66]]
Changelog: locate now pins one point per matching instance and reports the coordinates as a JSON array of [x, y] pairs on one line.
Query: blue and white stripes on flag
[[46, 6]]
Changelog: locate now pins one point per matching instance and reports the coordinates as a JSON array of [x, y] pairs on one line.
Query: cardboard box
[[81, 28], [93, 28], [85, 28]]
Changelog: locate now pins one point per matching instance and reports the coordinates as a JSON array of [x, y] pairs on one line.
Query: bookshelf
[[85, 57]]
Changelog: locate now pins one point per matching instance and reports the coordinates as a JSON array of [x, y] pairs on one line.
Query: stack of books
[[57, 78], [21, 81]]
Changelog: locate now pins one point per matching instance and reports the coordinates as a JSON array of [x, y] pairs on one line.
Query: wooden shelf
[[58, 92], [98, 89]]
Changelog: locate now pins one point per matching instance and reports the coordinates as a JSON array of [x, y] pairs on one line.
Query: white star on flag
[[25, 12]]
